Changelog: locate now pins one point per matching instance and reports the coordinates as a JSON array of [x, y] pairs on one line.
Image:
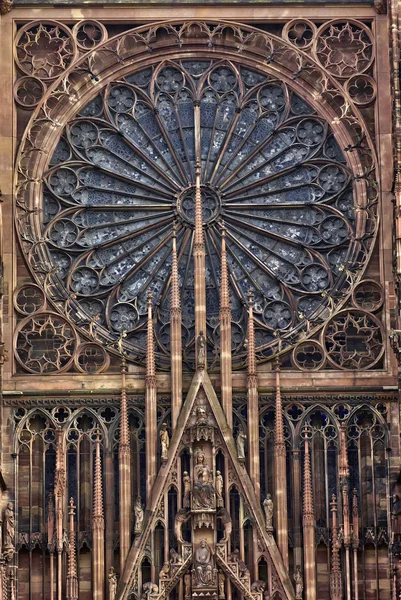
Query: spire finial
[[308, 513], [72, 577], [150, 347], [98, 516], [224, 291], [252, 378], [175, 302]]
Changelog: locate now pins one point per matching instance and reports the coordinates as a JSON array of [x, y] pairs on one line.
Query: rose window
[[122, 179]]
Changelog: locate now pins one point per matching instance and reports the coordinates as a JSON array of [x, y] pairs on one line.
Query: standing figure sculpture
[[201, 347], [181, 517], [268, 508], [138, 510], [9, 532], [186, 499], [240, 442], [203, 566], [299, 583], [219, 485], [165, 442], [187, 581], [112, 577]]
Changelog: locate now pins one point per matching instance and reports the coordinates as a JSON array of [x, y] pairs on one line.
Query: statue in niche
[[299, 583], [112, 577], [149, 590], [396, 514], [181, 517], [222, 582], [203, 565], [203, 491], [165, 571], [175, 558], [242, 568], [219, 485], [165, 442], [187, 582], [9, 531], [268, 507], [186, 480], [240, 443], [227, 524], [201, 347], [138, 510]]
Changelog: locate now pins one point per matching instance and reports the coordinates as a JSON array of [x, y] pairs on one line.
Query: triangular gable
[[201, 379]]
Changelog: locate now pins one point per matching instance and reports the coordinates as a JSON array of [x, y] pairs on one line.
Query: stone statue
[[149, 590], [222, 582], [299, 583], [242, 568], [181, 517], [187, 582], [201, 415], [9, 532], [138, 510], [268, 508], [219, 486], [165, 571], [175, 558], [227, 523], [240, 442], [203, 565], [186, 480], [203, 491], [112, 577], [258, 586], [165, 442], [396, 514], [201, 346]]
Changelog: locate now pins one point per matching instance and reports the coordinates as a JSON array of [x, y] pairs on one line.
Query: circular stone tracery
[[271, 168], [211, 205]]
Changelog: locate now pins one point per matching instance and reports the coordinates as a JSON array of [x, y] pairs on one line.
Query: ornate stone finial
[[150, 378], [343, 467], [72, 572], [252, 376], [279, 442], [98, 514], [175, 301], [308, 512], [124, 423], [335, 575], [224, 290], [199, 240]]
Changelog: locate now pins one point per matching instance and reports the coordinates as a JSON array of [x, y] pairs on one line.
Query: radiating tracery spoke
[[124, 171]]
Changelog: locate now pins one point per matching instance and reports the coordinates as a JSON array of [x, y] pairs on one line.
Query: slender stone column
[[308, 521], [72, 572], [98, 527], [150, 405], [344, 478], [124, 468], [253, 404], [59, 495], [225, 334], [199, 244], [176, 337], [280, 474], [335, 575], [355, 539], [50, 542]]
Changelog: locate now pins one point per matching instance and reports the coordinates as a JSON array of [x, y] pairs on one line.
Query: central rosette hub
[[211, 204]]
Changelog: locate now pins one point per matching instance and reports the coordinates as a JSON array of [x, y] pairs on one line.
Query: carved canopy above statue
[[107, 167]]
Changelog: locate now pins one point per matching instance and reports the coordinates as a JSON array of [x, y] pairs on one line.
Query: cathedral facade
[[200, 309]]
